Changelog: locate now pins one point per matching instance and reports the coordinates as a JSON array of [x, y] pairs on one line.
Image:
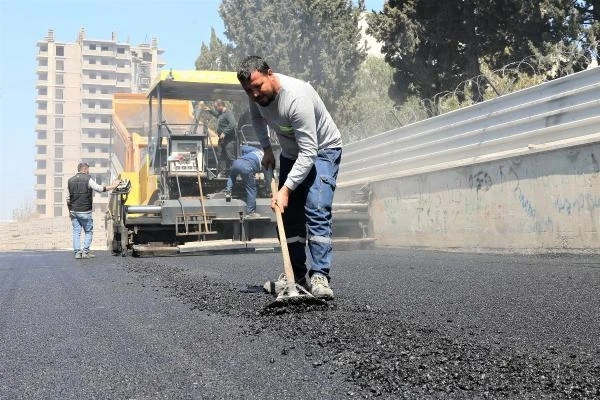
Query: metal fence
[[490, 84], [559, 113]]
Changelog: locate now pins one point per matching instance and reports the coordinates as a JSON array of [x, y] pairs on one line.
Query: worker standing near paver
[[79, 202], [226, 126]]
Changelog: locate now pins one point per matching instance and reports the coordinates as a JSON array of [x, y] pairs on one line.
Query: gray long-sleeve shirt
[[302, 124]]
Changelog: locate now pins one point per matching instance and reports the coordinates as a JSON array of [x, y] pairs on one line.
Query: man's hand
[[113, 185], [268, 161], [281, 199]]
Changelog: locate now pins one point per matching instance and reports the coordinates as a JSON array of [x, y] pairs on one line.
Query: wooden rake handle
[[287, 262]]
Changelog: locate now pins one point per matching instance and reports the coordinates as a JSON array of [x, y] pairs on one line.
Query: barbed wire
[[490, 84]]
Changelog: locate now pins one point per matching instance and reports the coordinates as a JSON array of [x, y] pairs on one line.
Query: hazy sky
[[180, 26]]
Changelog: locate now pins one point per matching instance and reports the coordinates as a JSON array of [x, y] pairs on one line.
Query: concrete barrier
[[549, 202]]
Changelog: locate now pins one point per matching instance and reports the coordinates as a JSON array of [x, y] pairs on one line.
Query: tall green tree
[[216, 55], [372, 110], [315, 40], [589, 13], [435, 45]]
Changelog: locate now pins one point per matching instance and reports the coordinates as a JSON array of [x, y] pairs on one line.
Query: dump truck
[[171, 199]]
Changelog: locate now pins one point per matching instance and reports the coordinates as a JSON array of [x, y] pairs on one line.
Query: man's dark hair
[[249, 65], [81, 166]]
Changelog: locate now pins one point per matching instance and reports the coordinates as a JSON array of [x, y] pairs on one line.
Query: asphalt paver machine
[[186, 210]]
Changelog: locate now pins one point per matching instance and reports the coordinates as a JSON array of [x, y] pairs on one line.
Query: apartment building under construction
[[75, 86]]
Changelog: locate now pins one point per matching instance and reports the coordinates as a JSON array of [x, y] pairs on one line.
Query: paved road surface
[[405, 324]]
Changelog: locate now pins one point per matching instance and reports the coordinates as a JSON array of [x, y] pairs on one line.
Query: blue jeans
[[309, 213], [244, 169], [82, 220]]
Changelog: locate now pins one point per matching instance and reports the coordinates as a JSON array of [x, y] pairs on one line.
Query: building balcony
[[95, 125], [100, 111], [99, 67], [98, 53], [126, 84], [96, 96], [95, 140], [41, 83], [86, 80], [40, 171], [89, 155]]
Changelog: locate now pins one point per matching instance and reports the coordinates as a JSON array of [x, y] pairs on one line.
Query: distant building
[[75, 86]]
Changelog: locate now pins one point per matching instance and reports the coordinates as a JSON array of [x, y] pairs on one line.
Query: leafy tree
[[216, 56], [314, 40], [434, 46], [589, 18], [368, 108]]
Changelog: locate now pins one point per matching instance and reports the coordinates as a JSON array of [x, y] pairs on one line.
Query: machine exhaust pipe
[[144, 209]]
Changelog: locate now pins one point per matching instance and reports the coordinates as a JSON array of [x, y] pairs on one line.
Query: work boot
[[276, 287], [87, 254], [253, 215], [320, 287], [78, 255]]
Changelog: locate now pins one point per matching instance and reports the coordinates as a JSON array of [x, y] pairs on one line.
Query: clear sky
[[179, 25]]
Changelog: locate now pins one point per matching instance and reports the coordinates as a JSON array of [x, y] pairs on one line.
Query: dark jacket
[[225, 124], [80, 194]]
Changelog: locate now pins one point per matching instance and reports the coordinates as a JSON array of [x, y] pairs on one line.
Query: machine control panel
[[123, 187], [186, 155], [183, 162]]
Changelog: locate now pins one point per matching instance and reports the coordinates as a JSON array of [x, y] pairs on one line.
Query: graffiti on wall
[[584, 201], [525, 203], [475, 199], [480, 181]]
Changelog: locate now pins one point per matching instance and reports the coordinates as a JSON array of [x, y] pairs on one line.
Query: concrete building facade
[[75, 86]]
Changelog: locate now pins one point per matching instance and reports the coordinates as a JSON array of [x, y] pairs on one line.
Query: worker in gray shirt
[[311, 150]]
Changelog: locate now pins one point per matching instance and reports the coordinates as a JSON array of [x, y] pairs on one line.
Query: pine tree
[[216, 56], [314, 40]]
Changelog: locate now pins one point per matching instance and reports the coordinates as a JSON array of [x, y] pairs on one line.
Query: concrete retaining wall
[[547, 202]]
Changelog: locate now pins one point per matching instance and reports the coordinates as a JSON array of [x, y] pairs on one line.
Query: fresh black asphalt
[[406, 324]]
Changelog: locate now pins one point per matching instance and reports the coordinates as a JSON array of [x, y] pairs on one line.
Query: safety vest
[[80, 193]]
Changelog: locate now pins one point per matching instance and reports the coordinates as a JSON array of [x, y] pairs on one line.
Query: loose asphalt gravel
[[405, 324]]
